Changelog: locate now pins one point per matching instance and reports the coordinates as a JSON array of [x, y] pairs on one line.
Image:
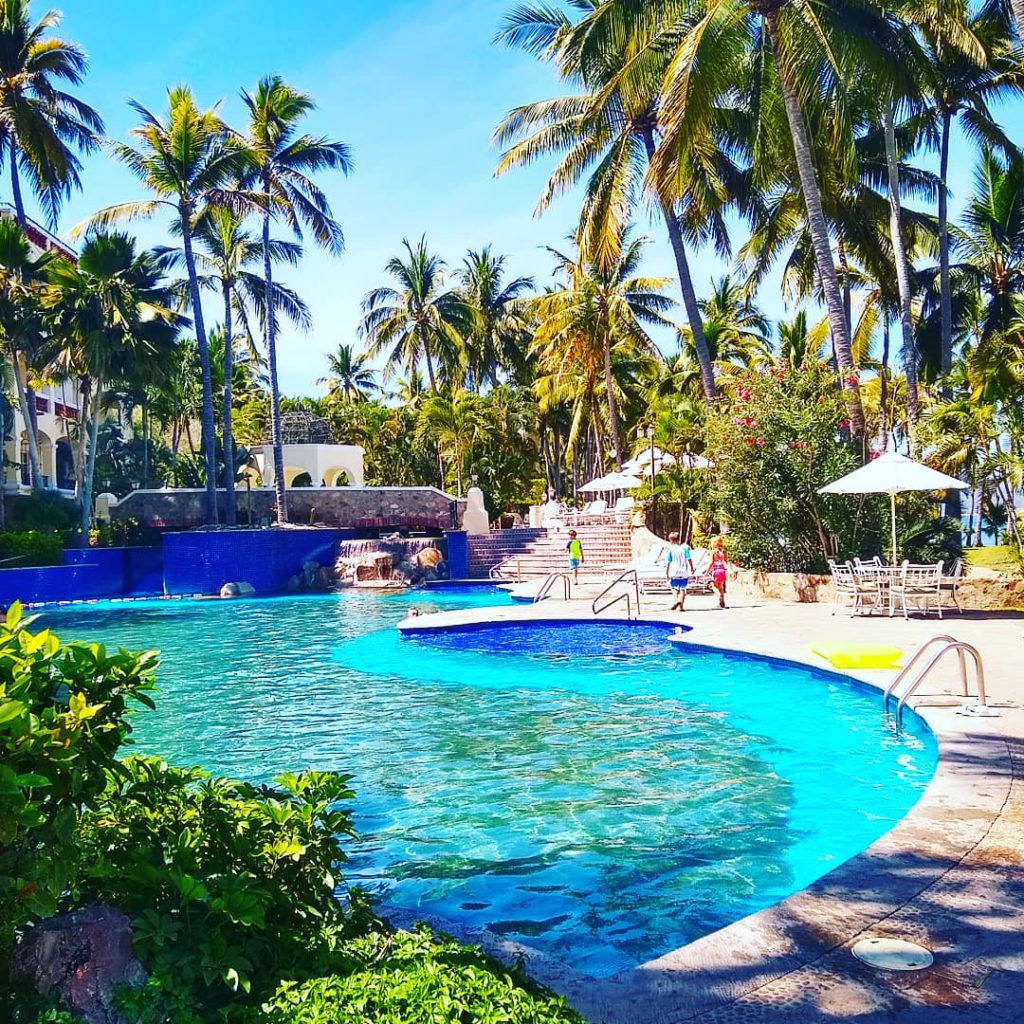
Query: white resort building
[[56, 407]]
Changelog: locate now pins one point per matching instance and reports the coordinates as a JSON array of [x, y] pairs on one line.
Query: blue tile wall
[[201, 562]]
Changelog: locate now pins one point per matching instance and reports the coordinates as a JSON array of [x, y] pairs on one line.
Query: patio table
[[884, 575]]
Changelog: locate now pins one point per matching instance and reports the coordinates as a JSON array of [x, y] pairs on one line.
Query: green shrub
[[122, 533], [414, 978], [46, 511], [30, 548], [226, 883], [63, 717]]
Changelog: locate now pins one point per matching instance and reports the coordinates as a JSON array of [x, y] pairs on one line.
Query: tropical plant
[[349, 375], [190, 162], [452, 423], [775, 442], [419, 320], [41, 124], [282, 163], [110, 315], [63, 716]]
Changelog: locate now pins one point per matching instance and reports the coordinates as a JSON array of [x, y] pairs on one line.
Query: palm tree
[[964, 84], [110, 313], [349, 374], [190, 162], [41, 125], [608, 133], [225, 252], [790, 55], [283, 162], [421, 319], [593, 310], [452, 422], [497, 326], [22, 279], [799, 343], [991, 244]]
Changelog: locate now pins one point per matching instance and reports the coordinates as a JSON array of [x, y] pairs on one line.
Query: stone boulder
[[81, 958], [240, 589], [428, 558]]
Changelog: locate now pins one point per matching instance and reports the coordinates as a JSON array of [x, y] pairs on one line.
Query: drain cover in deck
[[893, 954]]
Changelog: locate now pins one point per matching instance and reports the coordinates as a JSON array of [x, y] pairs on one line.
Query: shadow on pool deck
[[950, 878]]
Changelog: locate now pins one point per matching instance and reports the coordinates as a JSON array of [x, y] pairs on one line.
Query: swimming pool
[[582, 788]]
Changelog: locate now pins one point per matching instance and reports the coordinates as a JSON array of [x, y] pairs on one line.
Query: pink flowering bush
[[776, 438]]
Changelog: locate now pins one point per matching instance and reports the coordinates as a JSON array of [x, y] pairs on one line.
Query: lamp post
[[654, 494]]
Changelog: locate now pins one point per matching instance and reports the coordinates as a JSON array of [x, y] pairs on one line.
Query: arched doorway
[[64, 465], [45, 459], [336, 478]]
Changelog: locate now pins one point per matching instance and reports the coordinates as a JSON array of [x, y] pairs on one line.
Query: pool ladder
[[624, 596], [549, 581], [903, 687]]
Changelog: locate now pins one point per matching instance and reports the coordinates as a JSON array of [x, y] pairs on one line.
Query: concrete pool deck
[[949, 876]]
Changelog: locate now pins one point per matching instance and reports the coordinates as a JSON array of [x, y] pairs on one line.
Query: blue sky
[[415, 88]]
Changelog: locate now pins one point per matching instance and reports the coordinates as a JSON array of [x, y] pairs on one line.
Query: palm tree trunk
[[229, 442], [90, 466], [945, 293], [19, 202], [675, 234], [430, 362], [819, 231], [145, 443], [883, 394], [902, 274], [209, 430], [270, 318], [85, 399], [844, 265], [35, 474], [613, 412]]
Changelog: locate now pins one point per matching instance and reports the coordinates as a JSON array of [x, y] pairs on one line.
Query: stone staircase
[[534, 553]]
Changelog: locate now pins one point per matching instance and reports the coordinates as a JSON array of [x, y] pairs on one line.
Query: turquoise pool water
[[584, 789]]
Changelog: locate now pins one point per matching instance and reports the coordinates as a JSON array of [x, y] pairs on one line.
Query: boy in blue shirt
[[678, 569]]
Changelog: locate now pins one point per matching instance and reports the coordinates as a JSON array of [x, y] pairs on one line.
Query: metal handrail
[[618, 579], [549, 582], [905, 671], [960, 647], [624, 596], [495, 572]]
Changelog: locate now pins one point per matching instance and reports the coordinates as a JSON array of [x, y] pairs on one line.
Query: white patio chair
[[853, 591], [920, 584], [950, 585]]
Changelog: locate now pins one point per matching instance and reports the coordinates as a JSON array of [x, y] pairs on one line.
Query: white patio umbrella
[[892, 473], [621, 481], [599, 483]]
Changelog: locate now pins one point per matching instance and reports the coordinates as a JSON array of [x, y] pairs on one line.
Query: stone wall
[[988, 592], [359, 507]]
